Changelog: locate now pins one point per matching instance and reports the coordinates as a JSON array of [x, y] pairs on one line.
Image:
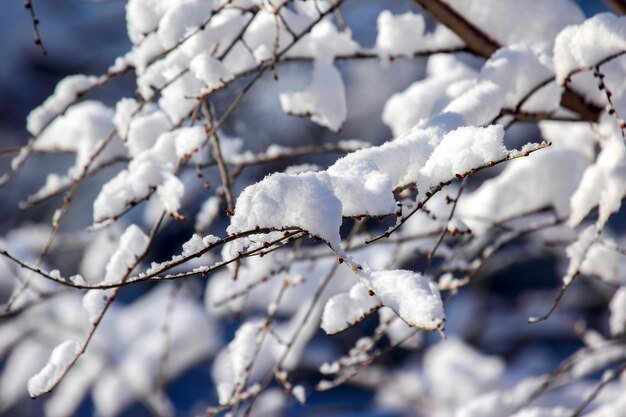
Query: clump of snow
[[585, 45], [422, 98], [64, 94], [143, 129], [210, 71], [502, 403], [508, 21], [522, 187], [304, 200], [459, 151], [578, 250], [180, 19], [456, 372], [618, 312], [152, 169], [517, 69], [132, 244], [299, 393], [399, 35], [60, 360], [479, 105], [241, 349], [324, 100], [412, 296], [345, 309], [324, 43], [208, 212], [603, 184]]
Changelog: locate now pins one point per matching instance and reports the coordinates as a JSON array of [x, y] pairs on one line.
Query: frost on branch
[[60, 360]]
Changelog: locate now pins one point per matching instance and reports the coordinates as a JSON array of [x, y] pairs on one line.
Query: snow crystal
[[64, 94], [585, 45], [324, 100], [60, 360], [412, 296], [282, 201], [618, 312], [210, 71], [345, 309]]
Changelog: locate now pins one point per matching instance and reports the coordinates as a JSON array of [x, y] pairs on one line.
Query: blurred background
[[85, 37]]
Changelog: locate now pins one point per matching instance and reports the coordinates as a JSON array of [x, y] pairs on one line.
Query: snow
[[456, 372], [346, 309], [577, 252], [324, 43], [300, 394], [479, 105], [459, 151], [509, 21], [399, 35], [517, 70], [64, 94], [324, 100], [603, 184], [618, 312], [132, 244], [585, 45], [210, 71], [80, 130], [421, 99], [522, 187], [412, 296], [180, 19], [151, 168], [208, 212], [501, 402], [144, 129], [241, 349], [170, 192], [60, 360], [282, 201]]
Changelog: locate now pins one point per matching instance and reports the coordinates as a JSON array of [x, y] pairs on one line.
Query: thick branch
[[481, 44]]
